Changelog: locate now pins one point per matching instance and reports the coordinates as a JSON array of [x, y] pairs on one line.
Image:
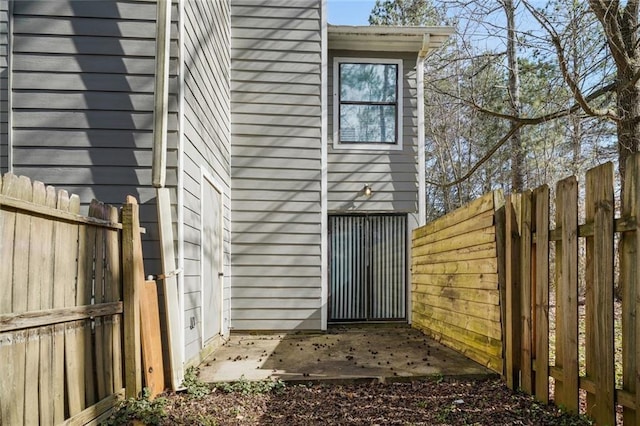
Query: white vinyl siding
[[391, 174], [276, 164], [207, 148]]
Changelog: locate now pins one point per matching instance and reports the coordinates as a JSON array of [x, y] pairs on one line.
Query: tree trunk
[[628, 128], [574, 119], [517, 151], [620, 24]]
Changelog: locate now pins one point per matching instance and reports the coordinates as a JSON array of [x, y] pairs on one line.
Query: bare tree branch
[[562, 60], [606, 12], [480, 162], [529, 121]]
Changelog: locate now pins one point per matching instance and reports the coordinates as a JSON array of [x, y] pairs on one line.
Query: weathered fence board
[[22, 190], [527, 377], [468, 294], [151, 338], [86, 243], [512, 315], [474, 208], [541, 308], [629, 277], [34, 292], [533, 254], [60, 305], [599, 298], [133, 272], [46, 303], [566, 389], [455, 291], [479, 281], [482, 251], [114, 273]]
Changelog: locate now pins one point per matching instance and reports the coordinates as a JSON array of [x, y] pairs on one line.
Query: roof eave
[[420, 40]]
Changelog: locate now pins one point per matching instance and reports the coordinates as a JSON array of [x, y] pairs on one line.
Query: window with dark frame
[[368, 103]]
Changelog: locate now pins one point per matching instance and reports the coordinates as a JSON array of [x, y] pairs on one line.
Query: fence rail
[[61, 305], [529, 255]]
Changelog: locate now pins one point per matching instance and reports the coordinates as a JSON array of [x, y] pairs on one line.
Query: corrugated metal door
[[367, 267]]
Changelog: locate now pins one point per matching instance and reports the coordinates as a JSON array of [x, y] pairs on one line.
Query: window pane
[[368, 123], [368, 82]]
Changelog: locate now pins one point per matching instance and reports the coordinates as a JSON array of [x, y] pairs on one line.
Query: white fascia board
[[387, 38]]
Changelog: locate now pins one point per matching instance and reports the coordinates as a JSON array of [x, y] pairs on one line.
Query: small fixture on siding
[[367, 190]]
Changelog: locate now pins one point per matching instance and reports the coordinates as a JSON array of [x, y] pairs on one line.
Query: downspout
[[181, 176], [161, 93], [10, 89], [422, 175], [324, 219], [159, 172]]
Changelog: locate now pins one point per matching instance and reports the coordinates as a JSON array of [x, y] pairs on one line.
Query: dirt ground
[[430, 402]]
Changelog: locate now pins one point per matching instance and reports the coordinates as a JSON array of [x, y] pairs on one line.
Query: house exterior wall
[[82, 101], [276, 164], [393, 175], [83, 98], [207, 147], [4, 82]]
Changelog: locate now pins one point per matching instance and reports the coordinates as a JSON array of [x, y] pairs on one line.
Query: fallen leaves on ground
[[469, 402]]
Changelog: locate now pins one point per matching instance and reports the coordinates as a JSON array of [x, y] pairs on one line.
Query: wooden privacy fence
[[61, 305], [527, 293], [456, 270]]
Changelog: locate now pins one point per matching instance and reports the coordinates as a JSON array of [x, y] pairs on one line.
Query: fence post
[[513, 320], [629, 261], [599, 304], [133, 277], [566, 389]]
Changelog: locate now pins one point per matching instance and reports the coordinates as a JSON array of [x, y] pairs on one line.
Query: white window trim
[[336, 105]]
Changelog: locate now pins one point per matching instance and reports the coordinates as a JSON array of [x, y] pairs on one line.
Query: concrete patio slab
[[344, 353]]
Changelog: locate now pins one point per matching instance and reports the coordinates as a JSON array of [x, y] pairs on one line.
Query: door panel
[[348, 268], [211, 260], [367, 267], [388, 259]]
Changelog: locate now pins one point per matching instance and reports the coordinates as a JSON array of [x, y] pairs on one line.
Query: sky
[[349, 12]]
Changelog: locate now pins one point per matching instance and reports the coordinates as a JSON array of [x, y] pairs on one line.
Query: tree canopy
[[525, 93]]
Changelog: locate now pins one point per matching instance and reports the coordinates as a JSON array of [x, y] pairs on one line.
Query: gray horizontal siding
[[278, 292], [4, 82], [87, 63], [132, 10], [301, 322], [115, 82], [252, 216], [393, 175], [207, 146], [79, 26], [96, 175], [281, 66], [83, 138], [273, 98], [84, 45], [82, 92], [276, 149]]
